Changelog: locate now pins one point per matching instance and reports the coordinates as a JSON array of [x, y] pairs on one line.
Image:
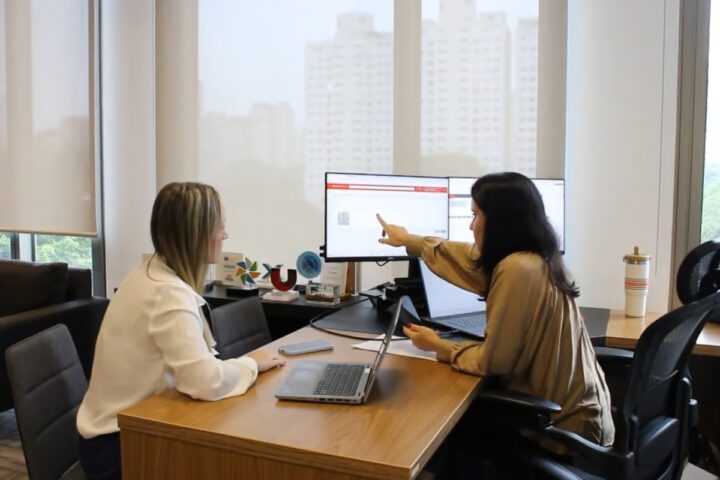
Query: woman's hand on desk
[[265, 361], [427, 339], [397, 236]]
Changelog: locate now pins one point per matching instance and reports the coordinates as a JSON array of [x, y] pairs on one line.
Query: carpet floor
[[12, 461]]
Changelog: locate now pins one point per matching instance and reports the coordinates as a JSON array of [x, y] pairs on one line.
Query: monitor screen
[[551, 190], [420, 204]]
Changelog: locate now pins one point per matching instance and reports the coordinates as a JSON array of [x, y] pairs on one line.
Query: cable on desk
[[344, 335], [357, 337]]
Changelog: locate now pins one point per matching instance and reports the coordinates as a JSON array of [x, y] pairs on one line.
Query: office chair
[[651, 423], [699, 272], [48, 384], [698, 277], [239, 327]]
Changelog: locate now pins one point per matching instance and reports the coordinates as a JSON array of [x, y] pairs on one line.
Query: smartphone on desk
[[305, 347]]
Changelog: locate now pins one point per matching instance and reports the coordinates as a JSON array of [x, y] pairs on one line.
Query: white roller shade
[[47, 159]]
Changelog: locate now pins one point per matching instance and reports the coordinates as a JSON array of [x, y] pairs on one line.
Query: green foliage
[[4, 245], [75, 251], [711, 210]]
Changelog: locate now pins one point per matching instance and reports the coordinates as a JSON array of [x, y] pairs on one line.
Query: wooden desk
[[412, 408], [623, 332]]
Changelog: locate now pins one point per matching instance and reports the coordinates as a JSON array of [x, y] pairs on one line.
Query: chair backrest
[[699, 272], [647, 422], [239, 327], [48, 384]]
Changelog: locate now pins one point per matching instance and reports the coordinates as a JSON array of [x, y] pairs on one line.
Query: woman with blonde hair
[[154, 335]]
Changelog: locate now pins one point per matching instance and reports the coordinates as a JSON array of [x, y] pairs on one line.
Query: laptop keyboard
[[339, 379], [469, 321]]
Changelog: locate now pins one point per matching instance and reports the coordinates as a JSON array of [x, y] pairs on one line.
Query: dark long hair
[[515, 221]]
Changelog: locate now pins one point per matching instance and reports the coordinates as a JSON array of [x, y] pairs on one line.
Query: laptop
[[452, 307], [317, 381]]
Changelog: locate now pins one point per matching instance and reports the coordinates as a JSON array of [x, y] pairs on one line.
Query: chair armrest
[[51, 314], [82, 317], [520, 400], [594, 457], [614, 356], [520, 409]]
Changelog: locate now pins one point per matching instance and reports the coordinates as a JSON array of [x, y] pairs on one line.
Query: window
[[710, 227], [48, 80], [277, 79], [75, 251], [504, 78], [5, 245], [288, 90]]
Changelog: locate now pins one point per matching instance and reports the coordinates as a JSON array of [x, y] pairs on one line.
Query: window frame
[[692, 110]]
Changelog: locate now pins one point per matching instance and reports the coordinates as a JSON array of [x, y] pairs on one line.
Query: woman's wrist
[[443, 350]]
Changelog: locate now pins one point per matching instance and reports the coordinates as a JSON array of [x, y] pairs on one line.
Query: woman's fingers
[[380, 219]]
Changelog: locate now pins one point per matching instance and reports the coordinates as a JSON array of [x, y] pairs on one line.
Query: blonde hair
[[185, 216]]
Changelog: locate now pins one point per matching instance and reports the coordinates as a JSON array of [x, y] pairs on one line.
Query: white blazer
[[154, 337]]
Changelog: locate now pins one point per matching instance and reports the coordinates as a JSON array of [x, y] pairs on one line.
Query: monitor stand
[[411, 285]]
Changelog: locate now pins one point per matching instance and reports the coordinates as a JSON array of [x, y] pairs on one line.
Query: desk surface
[[623, 332], [413, 406]]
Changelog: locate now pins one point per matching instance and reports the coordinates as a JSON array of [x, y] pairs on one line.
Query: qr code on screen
[[343, 218]]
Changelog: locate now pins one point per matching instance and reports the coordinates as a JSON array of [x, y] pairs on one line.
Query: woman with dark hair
[[536, 341]]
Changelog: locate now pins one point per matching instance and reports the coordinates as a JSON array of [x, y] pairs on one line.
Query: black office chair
[[698, 277], [699, 272], [48, 384], [651, 422], [239, 327]]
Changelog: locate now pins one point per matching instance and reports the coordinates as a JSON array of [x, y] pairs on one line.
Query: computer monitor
[[352, 199], [552, 191]]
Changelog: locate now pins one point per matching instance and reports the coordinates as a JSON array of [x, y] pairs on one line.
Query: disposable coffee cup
[[637, 276]]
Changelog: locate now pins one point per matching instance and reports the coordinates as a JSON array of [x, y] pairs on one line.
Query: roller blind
[[47, 144]]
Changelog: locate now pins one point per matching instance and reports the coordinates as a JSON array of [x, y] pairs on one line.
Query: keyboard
[[339, 380], [468, 321]]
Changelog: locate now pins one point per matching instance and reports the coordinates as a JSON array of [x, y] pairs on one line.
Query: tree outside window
[[5, 251], [75, 251]]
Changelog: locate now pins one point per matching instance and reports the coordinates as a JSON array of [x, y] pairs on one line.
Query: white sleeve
[[175, 328]]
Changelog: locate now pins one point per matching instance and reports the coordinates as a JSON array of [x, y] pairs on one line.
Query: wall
[[620, 150], [128, 131]]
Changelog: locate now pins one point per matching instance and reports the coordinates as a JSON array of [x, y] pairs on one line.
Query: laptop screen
[[444, 298]]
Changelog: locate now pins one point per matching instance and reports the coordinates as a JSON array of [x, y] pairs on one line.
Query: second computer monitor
[[551, 190]]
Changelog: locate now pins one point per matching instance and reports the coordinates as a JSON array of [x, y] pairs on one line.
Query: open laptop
[[452, 307], [317, 381]]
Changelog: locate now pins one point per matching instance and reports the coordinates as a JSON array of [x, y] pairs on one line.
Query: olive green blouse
[[535, 340]]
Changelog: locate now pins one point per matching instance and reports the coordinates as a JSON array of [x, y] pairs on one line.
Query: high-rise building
[[471, 117], [524, 125], [465, 79], [348, 98]]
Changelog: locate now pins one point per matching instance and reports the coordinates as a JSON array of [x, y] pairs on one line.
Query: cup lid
[[636, 256]]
